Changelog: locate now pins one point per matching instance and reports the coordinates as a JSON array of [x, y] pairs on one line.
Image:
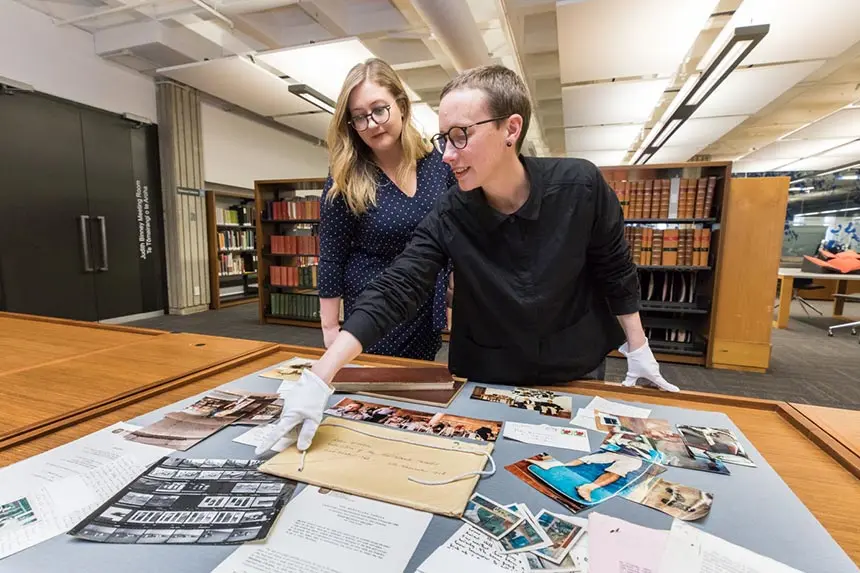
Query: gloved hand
[[303, 411], [642, 364]]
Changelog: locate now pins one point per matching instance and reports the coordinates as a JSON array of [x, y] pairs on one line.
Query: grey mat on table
[[753, 507]]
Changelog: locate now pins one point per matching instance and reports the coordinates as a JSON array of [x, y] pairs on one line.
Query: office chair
[[803, 284]]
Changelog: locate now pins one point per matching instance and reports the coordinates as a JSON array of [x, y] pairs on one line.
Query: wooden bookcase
[[232, 231], [677, 298], [297, 304]]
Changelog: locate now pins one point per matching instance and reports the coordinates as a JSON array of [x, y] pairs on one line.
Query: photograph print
[[680, 501], [562, 532], [526, 536], [490, 517], [716, 443], [545, 402]]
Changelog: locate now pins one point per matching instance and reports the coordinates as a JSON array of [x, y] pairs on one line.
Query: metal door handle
[[85, 241], [102, 227]]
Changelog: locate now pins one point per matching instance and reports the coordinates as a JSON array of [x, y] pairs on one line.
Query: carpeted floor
[[806, 365]]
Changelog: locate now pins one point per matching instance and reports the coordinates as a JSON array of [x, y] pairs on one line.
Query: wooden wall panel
[[180, 143], [750, 247]]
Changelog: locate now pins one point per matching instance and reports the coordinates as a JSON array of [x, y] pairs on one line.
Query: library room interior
[[487, 285]]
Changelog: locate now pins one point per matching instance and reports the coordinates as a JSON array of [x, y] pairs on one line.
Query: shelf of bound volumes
[[672, 222], [233, 259], [288, 250]]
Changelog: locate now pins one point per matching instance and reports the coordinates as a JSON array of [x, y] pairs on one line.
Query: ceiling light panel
[[844, 123], [425, 119], [818, 163], [758, 166], [315, 124], [703, 131], [240, 82], [594, 43], [322, 66], [598, 138], [795, 149], [791, 21], [600, 158], [615, 102], [745, 91]]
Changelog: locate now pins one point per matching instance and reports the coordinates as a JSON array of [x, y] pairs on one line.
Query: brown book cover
[[376, 379], [640, 199], [634, 198], [709, 197], [689, 246], [657, 248], [656, 197], [681, 236], [665, 190], [706, 247], [670, 247], [682, 199], [697, 247], [699, 206], [626, 191], [645, 259], [637, 245], [691, 199], [647, 192]]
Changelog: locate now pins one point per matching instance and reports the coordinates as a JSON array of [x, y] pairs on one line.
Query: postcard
[[585, 416], [527, 536], [679, 501], [209, 508], [583, 482], [545, 402], [490, 517], [548, 436], [563, 532], [716, 443], [440, 424]]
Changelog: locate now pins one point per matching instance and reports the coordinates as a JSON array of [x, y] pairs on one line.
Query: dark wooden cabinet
[[71, 211]]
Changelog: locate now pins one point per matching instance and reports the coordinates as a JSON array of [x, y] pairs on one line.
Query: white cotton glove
[[303, 412], [642, 364]]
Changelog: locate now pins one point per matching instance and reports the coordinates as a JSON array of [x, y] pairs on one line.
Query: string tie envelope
[[421, 471]]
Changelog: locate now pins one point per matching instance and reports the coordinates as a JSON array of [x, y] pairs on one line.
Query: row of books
[[668, 287], [668, 335], [293, 209], [235, 264], [303, 276], [666, 198], [236, 215], [293, 305], [234, 239], [296, 244], [685, 246]]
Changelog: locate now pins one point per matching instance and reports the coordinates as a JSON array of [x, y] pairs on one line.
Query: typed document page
[[334, 532]]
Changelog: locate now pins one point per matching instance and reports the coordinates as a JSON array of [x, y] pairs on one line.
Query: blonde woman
[[384, 178]]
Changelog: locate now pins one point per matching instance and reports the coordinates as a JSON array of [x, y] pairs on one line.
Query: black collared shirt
[[535, 293]]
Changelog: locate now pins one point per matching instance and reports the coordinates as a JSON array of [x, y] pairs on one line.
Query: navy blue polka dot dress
[[354, 250]]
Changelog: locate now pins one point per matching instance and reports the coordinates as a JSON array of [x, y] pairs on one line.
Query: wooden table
[[842, 426], [786, 276], [63, 373], [804, 455]]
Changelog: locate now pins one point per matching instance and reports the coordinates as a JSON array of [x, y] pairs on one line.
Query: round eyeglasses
[[457, 135], [379, 114]]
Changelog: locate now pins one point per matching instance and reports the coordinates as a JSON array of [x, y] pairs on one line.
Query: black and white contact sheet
[[191, 501]]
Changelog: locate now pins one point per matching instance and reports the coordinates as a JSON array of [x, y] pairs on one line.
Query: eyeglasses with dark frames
[[379, 114], [458, 135]]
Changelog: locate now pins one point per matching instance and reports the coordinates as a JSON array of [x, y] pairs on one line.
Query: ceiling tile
[[673, 154], [748, 90], [315, 124], [845, 123], [599, 138], [794, 149], [755, 166], [703, 131], [599, 39], [615, 102], [799, 29], [242, 83], [600, 158]]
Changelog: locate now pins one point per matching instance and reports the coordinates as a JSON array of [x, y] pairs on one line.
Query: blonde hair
[[353, 171]]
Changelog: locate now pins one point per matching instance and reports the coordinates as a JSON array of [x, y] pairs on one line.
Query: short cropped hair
[[506, 93]]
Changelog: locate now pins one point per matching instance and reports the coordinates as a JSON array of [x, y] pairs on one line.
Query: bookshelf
[[288, 250], [232, 231], [672, 218]]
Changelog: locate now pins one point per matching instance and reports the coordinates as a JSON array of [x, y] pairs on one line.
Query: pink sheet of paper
[[618, 546]]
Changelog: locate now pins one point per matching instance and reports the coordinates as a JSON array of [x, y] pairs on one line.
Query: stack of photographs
[[439, 424], [191, 501], [543, 541], [184, 429], [653, 440], [545, 402]]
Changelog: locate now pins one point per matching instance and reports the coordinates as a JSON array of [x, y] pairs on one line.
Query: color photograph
[[527, 536], [680, 501], [562, 532], [583, 482], [439, 424], [16, 514], [717, 443], [490, 517], [545, 402]]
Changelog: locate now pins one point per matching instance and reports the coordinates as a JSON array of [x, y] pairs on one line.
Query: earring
[[508, 143]]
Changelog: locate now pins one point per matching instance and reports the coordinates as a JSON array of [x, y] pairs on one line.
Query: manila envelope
[[369, 463]]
